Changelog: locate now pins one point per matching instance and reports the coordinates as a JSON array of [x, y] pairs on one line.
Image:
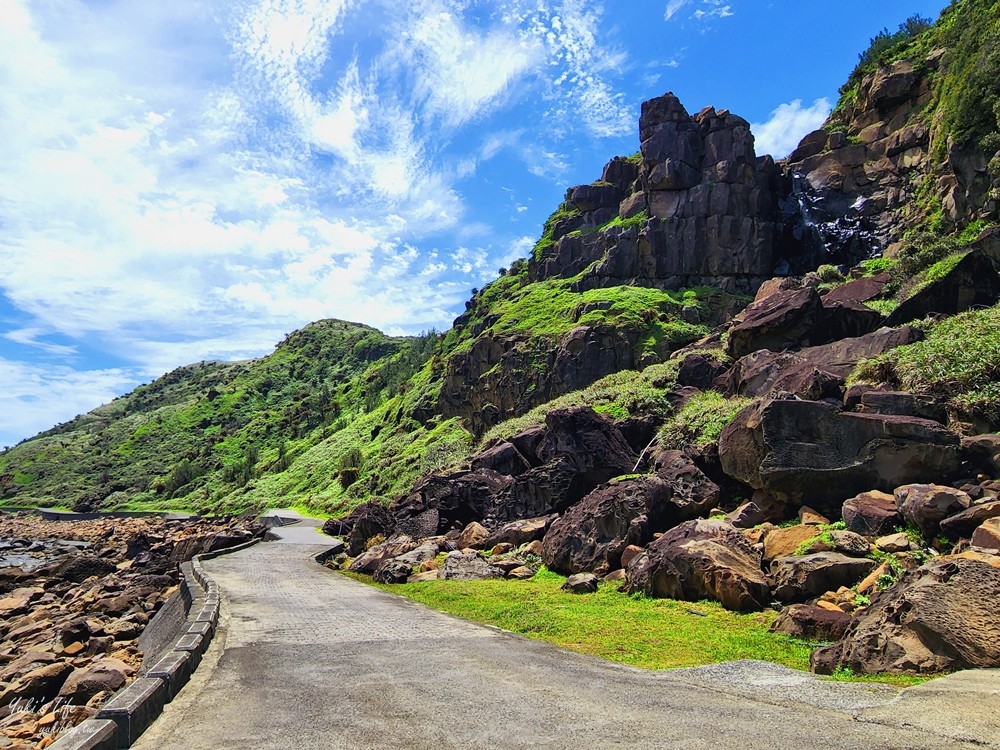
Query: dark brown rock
[[699, 371], [593, 445], [701, 559], [984, 451], [987, 536], [941, 617], [370, 560], [694, 494], [520, 532], [767, 373], [541, 491], [966, 521], [871, 513], [781, 321], [858, 290], [926, 505], [798, 578], [812, 451], [502, 458], [103, 675], [809, 622], [592, 534]]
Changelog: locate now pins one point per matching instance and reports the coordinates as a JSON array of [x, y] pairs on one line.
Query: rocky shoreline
[[72, 613]]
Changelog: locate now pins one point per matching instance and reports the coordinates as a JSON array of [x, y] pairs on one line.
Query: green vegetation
[[649, 633], [620, 395], [701, 420], [564, 216], [959, 362]]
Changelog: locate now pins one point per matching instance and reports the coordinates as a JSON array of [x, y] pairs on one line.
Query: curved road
[[305, 658]]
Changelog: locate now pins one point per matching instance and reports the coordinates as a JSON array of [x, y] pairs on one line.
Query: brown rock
[[369, 561], [926, 505], [520, 532], [812, 622], [965, 522], [783, 542], [521, 572], [459, 566], [473, 536], [797, 579], [871, 513], [941, 617], [804, 449], [898, 542], [987, 536], [810, 517], [503, 458], [581, 583], [701, 559], [533, 548], [630, 553], [780, 321]]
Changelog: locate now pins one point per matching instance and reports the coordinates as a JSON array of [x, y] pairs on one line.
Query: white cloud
[[673, 8], [190, 180], [788, 124], [35, 398]]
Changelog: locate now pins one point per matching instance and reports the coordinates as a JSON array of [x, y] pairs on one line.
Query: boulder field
[[72, 612], [869, 516]]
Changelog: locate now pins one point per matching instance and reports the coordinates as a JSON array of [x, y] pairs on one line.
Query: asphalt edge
[[131, 710]]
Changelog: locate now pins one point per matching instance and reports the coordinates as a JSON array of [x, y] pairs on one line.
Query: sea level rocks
[[941, 617], [701, 559], [814, 452]]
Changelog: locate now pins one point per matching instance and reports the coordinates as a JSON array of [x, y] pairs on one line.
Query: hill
[[655, 256]]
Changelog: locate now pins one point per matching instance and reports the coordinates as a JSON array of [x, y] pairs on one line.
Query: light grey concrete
[[305, 658]]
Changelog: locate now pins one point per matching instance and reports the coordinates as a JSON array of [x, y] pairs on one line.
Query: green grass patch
[[701, 420], [642, 632], [958, 362]]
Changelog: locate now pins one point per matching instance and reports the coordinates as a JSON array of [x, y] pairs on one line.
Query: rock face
[[809, 622], [591, 536], [698, 560], [813, 452], [799, 578], [941, 617]]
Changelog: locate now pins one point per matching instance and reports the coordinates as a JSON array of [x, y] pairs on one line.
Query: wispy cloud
[[35, 398], [787, 125], [706, 9], [199, 178]]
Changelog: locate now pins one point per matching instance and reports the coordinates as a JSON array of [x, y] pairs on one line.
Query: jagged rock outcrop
[[943, 616], [807, 451]]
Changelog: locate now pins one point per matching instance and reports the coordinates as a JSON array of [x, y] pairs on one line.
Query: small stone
[[581, 583], [503, 548], [521, 573], [473, 536], [893, 542], [73, 648], [533, 548], [629, 554], [810, 517], [615, 575]]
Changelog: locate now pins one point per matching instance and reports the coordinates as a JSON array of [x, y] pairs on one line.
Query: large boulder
[[372, 558], [503, 458], [593, 445], [398, 569], [781, 321], [940, 617], [799, 578], [871, 513], [813, 451], [550, 488], [693, 492], [592, 534], [701, 559], [926, 505], [973, 281], [364, 522], [449, 501]]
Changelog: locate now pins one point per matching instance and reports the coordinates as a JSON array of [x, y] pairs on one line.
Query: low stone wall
[[178, 637]]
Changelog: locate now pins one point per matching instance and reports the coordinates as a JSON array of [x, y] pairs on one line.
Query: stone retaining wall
[[179, 644]]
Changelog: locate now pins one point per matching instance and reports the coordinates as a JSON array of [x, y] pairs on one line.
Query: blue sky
[[187, 179]]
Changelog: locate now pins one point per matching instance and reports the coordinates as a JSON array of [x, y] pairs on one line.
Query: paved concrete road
[[306, 658]]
